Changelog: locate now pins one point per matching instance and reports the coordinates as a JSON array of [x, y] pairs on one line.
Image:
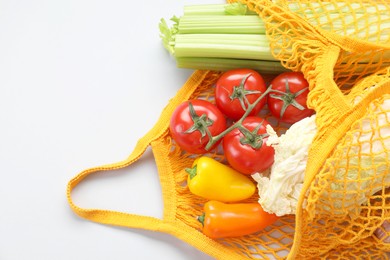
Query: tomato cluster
[[198, 126]]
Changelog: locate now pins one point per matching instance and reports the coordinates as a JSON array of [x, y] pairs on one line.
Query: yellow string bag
[[344, 198]]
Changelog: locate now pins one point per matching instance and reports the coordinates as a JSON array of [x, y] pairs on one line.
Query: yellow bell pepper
[[213, 180]]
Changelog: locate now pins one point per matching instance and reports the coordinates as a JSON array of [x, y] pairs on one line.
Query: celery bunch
[[219, 37]]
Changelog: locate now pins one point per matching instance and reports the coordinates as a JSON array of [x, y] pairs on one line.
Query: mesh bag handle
[[126, 219]]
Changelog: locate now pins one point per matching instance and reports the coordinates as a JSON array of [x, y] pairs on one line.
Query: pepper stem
[[201, 218], [192, 171]]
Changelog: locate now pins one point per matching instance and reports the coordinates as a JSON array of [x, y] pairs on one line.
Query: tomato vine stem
[[237, 124]]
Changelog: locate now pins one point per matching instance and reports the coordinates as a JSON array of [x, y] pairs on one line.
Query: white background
[[80, 82]]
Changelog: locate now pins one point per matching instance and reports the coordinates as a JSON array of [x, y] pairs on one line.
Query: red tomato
[[246, 150], [290, 105], [238, 88], [188, 127]]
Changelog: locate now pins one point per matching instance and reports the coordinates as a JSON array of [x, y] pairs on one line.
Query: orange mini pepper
[[221, 220]]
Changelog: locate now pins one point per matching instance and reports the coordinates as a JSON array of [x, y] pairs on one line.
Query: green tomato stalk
[[238, 124]]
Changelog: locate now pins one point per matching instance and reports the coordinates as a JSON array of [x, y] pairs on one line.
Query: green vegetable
[[225, 64], [221, 24], [219, 37], [246, 46], [218, 9]]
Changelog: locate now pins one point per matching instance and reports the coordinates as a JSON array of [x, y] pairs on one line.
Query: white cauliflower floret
[[280, 191]]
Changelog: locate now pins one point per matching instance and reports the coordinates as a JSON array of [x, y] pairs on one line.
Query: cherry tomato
[[289, 105], [191, 121], [246, 150], [238, 88]]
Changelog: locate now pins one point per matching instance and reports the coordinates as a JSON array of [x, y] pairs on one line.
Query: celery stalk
[[227, 50], [247, 24], [236, 39], [218, 9], [223, 64]]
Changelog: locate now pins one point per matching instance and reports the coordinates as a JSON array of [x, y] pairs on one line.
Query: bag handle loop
[[117, 218]]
